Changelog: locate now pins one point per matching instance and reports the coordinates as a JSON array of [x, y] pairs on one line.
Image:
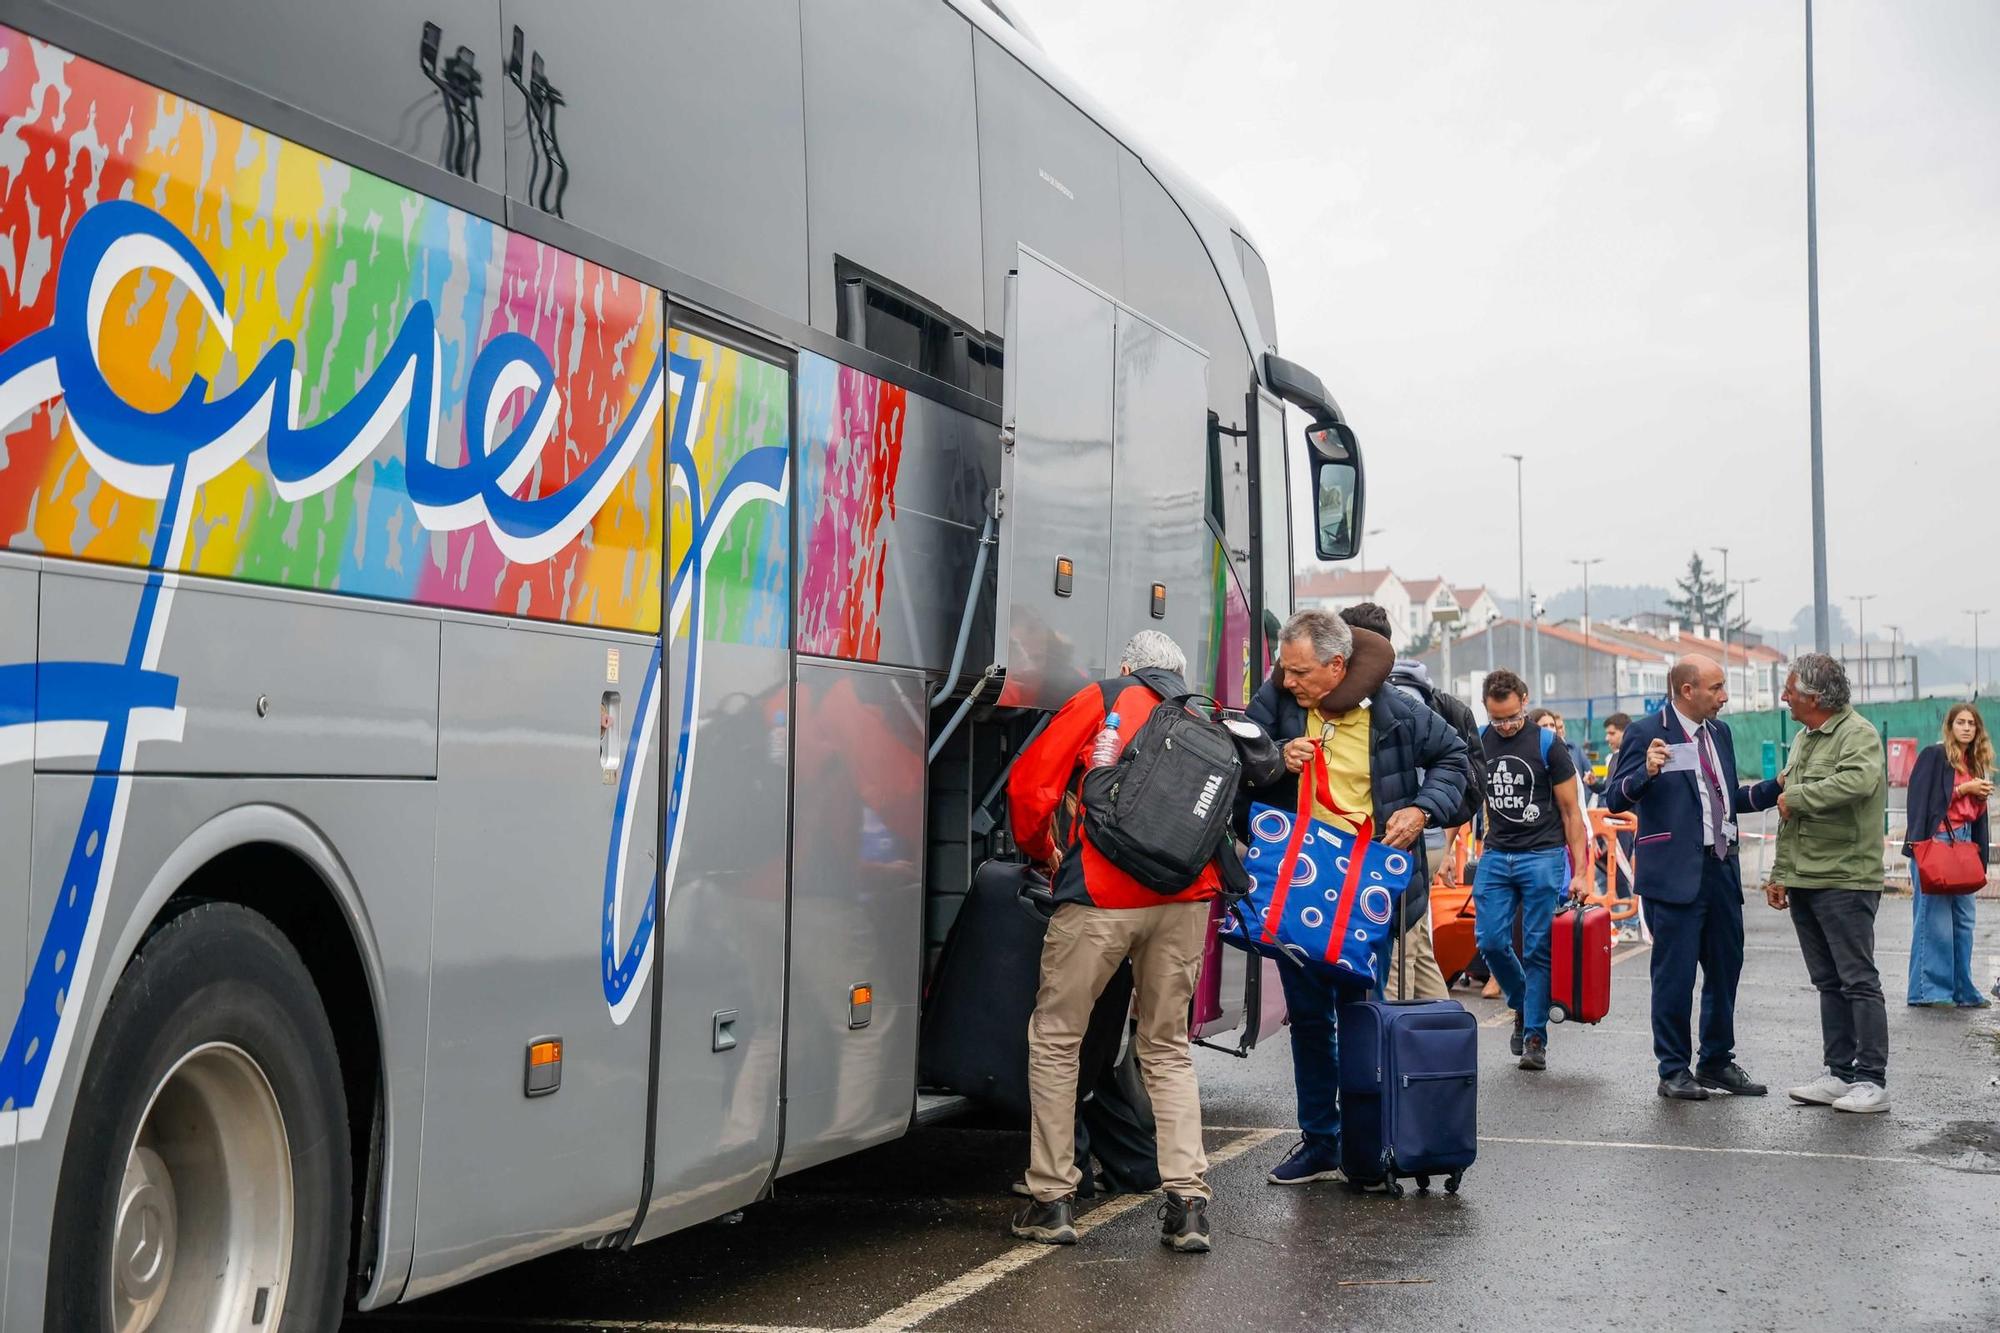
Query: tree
[[1703, 604]]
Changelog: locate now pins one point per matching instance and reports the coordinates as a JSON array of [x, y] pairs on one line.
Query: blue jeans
[[1941, 944], [1312, 995], [1530, 883]]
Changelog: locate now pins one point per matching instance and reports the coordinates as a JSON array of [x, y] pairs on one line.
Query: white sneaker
[[1826, 1090], [1864, 1098]]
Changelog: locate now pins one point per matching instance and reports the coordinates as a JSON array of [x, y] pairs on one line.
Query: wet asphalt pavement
[[1594, 1204]]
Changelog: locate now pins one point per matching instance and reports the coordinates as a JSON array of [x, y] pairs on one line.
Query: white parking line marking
[[905, 1316], [913, 1312], [1686, 1147], [616, 1325], [1642, 1147]]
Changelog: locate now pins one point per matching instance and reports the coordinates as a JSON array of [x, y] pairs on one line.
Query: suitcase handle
[[1036, 897]]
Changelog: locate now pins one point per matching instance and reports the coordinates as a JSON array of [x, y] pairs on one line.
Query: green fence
[[1920, 719]]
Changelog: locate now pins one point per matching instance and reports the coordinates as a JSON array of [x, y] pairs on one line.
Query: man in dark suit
[[1677, 769]]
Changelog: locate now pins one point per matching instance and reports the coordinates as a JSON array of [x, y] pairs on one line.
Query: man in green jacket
[[1828, 872]]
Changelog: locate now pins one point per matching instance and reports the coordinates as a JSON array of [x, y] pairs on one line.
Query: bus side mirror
[[1337, 490]]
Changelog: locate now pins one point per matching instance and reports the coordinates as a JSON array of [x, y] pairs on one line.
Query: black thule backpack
[[1161, 812]]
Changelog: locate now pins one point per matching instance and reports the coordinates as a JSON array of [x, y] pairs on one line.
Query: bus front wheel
[[206, 1180]]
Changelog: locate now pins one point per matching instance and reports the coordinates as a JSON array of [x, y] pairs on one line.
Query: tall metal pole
[[1725, 611], [1536, 615], [1743, 605], [1521, 556], [1895, 660], [1593, 560], [1975, 649], [1861, 601], [1822, 617]]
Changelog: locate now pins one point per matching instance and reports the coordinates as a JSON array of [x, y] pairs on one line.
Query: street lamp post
[[1586, 564], [1743, 608], [1822, 615], [1861, 601], [1521, 553], [1895, 658], [1975, 648], [1535, 611], [1725, 610]]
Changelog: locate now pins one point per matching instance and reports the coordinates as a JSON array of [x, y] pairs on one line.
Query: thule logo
[[1208, 791]]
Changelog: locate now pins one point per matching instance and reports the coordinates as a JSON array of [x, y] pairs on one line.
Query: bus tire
[[215, 1062]]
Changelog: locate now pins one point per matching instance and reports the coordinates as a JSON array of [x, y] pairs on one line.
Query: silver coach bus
[[531, 532]]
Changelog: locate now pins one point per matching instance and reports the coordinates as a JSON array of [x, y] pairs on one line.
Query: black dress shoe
[[1730, 1079], [1520, 1026], [1682, 1087]]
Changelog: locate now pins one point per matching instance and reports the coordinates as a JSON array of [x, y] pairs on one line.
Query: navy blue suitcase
[[1409, 1093]]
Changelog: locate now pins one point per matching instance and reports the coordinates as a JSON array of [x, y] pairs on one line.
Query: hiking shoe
[[1050, 1223], [1534, 1053], [1090, 1187], [1514, 1042], [1822, 1091], [1306, 1163], [1184, 1224], [1864, 1098]]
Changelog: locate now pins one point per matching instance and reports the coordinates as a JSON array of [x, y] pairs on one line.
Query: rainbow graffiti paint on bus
[[372, 392]]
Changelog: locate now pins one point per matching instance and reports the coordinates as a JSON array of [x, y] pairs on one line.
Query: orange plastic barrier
[[1605, 826]]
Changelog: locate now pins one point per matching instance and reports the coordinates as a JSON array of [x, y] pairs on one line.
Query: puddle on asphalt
[[1965, 1145]]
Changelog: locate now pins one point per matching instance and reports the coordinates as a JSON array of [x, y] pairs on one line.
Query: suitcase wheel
[[1451, 1182], [1558, 1013], [1393, 1188], [1423, 1184]]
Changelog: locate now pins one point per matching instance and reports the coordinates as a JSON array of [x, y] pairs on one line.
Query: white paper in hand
[[1682, 759]]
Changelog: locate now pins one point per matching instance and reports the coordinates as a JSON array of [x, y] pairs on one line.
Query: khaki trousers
[[1082, 949], [1426, 980]]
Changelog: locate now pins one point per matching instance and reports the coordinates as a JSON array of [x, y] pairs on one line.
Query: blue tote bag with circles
[[1318, 896]]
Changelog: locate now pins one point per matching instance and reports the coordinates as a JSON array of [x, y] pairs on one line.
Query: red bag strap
[[1314, 781]]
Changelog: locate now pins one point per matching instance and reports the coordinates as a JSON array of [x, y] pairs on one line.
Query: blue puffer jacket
[[1415, 759]]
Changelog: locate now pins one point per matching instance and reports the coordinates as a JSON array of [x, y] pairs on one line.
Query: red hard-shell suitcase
[[1580, 965]]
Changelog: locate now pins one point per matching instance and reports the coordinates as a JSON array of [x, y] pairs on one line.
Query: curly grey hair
[[1151, 649], [1822, 677], [1329, 635]]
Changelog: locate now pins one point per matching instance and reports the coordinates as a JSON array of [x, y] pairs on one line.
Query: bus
[[529, 542]]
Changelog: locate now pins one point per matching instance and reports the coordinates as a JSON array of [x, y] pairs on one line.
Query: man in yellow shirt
[[1388, 758]]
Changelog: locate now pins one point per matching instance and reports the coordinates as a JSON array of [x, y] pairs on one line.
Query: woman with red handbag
[[1948, 831]]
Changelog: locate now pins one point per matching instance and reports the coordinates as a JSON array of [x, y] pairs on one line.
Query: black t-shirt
[[1520, 791]]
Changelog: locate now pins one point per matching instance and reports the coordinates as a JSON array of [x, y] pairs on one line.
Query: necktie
[[1711, 793]]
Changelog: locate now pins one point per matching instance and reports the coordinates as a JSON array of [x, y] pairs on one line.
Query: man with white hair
[[1104, 916], [1828, 874]]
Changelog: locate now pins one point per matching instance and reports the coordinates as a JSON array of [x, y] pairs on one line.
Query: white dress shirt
[[1698, 732]]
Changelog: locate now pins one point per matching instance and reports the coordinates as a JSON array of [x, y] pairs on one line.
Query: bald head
[[1697, 686]]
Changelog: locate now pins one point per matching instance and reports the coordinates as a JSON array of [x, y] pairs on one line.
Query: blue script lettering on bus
[[142, 452]]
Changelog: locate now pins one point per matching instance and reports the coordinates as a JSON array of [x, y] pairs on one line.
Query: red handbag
[[1946, 865]]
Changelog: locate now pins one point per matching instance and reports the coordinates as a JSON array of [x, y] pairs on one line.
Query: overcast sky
[[1576, 231]]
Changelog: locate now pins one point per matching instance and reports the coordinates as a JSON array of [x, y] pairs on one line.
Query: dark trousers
[[1837, 932], [1314, 996], [1707, 933]]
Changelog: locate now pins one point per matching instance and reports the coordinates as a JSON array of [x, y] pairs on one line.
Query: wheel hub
[[143, 1241], [207, 1194]]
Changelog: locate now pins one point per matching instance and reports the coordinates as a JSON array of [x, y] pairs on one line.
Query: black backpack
[[1161, 812]]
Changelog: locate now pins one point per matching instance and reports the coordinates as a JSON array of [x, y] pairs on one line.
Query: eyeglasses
[[1506, 723]]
